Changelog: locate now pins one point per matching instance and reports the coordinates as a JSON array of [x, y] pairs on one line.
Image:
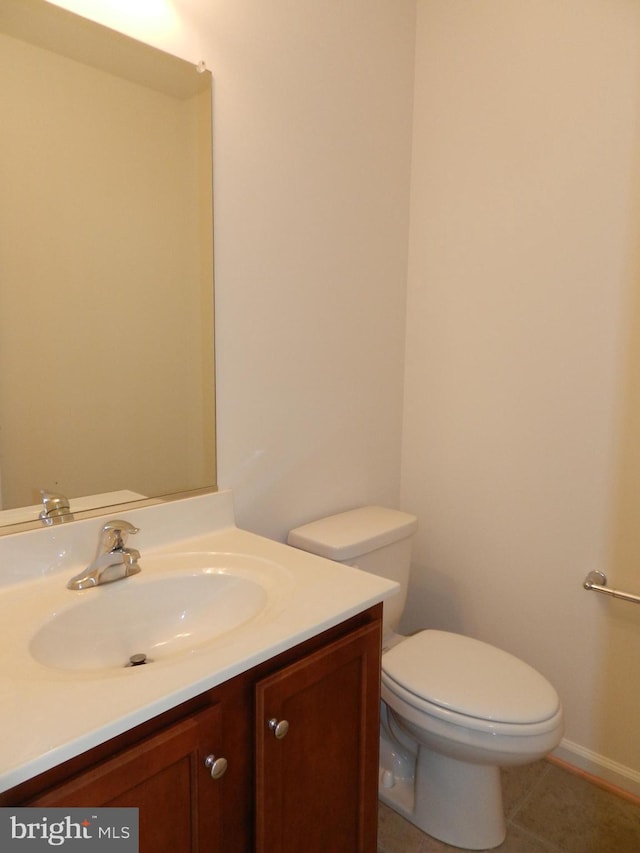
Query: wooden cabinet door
[[165, 777], [317, 787]]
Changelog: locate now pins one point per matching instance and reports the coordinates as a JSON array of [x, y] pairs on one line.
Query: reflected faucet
[[112, 561], [56, 508]]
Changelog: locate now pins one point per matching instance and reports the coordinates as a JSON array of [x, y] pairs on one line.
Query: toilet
[[454, 709]]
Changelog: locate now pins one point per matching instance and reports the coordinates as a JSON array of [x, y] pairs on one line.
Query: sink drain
[[137, 660]]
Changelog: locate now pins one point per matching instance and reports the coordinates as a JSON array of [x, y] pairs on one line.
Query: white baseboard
[[597, 765]]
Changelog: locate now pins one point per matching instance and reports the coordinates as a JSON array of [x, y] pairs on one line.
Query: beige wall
[[102, 291], [521, 437]]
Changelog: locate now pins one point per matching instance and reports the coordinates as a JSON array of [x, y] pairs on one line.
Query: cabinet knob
[[278, 727], [218, 766]]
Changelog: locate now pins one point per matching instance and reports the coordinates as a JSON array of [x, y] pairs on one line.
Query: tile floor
[[548, 810]]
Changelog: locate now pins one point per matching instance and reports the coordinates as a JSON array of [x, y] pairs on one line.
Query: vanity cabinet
[[298, 736]]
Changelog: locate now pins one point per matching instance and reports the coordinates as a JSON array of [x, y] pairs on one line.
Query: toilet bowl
[[454, 709], [475, 710]]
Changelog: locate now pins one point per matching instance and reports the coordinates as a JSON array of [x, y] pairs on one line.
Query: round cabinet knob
[[278, 727], [218, 766]]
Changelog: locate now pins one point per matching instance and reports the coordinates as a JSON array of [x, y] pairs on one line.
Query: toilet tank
[[371, 538]]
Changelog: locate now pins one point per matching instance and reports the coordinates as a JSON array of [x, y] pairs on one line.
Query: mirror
[[106, 267]]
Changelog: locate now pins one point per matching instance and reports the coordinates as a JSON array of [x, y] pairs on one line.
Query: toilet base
[[454, 801]]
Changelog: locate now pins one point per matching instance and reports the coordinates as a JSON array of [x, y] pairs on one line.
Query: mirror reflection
[[106, 285]]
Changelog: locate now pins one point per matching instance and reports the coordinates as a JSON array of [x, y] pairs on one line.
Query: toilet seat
[[468, 682]]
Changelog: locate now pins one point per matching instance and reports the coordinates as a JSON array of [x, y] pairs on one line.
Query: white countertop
[[49, 715]]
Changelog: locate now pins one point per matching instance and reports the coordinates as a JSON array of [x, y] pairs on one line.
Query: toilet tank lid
[[350, 534]]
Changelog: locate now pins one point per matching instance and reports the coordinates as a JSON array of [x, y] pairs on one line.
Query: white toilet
[[454, 709]]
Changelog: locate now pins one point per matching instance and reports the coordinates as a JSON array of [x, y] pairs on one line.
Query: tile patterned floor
[[548, 810]]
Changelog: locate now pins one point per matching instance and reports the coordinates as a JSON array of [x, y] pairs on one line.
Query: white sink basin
[[177, 604]]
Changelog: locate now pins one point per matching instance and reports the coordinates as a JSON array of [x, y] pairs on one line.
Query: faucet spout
[[113, 561]]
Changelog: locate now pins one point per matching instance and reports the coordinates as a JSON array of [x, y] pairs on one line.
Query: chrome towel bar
[[598, 582]]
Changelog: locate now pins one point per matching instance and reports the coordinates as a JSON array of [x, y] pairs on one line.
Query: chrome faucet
[[55, 509], [112, 561]]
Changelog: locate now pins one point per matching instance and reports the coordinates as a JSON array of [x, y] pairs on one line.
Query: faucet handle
[[114, 535]]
